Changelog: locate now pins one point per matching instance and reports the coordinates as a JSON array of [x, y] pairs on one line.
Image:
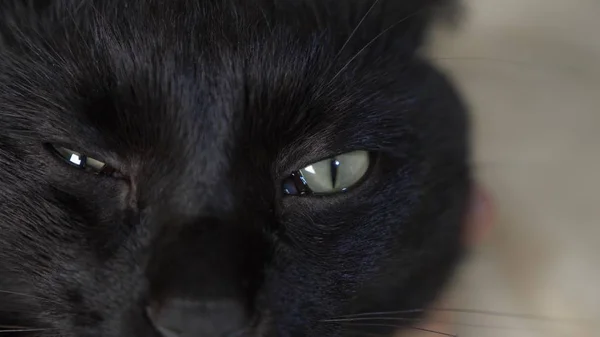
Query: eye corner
[[295, 185]]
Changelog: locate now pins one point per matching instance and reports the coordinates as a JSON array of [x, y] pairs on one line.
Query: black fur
[[205, 107]]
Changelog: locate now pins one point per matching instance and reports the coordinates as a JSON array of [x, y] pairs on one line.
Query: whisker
[[375, 313], [359, 319], [365, 333], [439, 333], [466, 311], [22, 330], [20, 294], [27, 295], [348, 40], [367, 45], [356, 28], [419, 320]]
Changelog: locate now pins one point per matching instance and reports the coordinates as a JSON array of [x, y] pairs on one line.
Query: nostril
[[186, 318]]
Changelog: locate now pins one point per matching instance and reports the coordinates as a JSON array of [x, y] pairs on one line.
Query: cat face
[[223, 168]]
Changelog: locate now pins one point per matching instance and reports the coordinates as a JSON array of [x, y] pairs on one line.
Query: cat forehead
[[146, 72], [150, 77]]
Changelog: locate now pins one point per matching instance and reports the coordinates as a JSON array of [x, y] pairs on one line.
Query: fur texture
[[204, 108]]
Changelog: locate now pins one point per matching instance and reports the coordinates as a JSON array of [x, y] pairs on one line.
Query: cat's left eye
[[333, 175], [81, 160]]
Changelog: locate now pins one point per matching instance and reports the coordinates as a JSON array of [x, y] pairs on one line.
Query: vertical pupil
[[335, 164]]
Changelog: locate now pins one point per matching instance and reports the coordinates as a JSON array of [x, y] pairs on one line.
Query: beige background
[[531, 71]]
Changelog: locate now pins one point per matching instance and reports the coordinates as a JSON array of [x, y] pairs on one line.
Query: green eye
[[328, 176], [82, 161]]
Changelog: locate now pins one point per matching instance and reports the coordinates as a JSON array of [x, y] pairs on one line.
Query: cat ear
[[480, 217]]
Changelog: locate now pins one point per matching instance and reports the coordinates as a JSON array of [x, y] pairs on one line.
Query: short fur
[[205, 107]]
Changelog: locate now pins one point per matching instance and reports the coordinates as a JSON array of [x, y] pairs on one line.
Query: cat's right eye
[[82, 161]]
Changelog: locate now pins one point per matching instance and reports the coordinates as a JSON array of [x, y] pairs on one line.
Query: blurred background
[[531, 72]]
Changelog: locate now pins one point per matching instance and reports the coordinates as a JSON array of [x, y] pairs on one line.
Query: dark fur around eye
[[208, 106]]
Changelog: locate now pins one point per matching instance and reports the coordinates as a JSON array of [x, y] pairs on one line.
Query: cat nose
[[188, 318]]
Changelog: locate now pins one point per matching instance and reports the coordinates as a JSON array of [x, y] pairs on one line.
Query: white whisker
[[368, 44], [468, 311], [351, 36], [27, 295], [439, 333], [22, 330]]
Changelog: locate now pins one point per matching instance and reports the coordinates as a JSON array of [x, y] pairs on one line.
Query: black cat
[[211, 168]]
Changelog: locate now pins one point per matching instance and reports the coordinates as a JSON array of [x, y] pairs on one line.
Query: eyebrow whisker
[[362, 20]]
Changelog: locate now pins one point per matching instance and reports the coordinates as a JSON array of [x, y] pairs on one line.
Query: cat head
[[224, 168]]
